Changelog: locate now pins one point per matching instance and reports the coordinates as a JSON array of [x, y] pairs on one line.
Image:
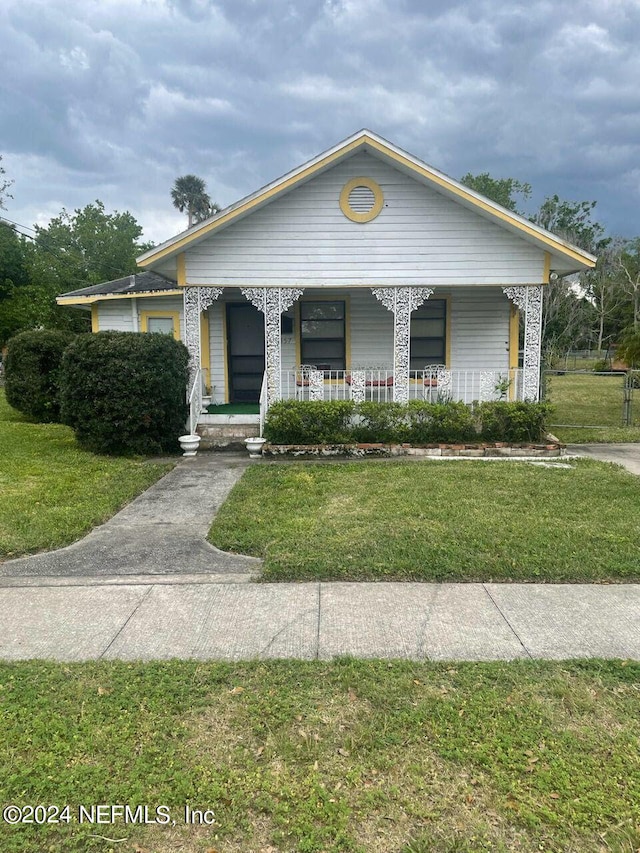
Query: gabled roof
[[139, 284], [565, 257]]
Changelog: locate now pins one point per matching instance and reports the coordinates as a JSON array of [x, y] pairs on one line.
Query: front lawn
[[588, 400], [430, 520], [52, 491], [354, 756]]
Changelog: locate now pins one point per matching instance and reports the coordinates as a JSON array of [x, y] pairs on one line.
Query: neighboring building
[[364, 273]]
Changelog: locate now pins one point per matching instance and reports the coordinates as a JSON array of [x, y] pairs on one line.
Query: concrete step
[[227, 432]]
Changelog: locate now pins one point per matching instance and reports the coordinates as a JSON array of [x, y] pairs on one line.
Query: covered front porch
[[392, 343]]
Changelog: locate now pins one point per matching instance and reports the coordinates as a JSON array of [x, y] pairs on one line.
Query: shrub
[[32, 372], [629, 349], [309, 422], [124, 392], [380, 422], [417, 422], [440, 422], [602, 366], [513, 422]]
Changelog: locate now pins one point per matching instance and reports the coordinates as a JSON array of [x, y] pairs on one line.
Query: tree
[[500, 190], [14, 277], [629, 349], [190, 193], [4, 186], [571, 220], [74, 251], [628, 262]]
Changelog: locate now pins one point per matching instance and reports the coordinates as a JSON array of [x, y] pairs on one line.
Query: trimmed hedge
[[417, 422], [32, 372], [124, 392], [513, 422], [291, 421]]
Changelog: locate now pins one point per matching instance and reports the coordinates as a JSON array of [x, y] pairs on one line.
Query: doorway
[[245, 352]]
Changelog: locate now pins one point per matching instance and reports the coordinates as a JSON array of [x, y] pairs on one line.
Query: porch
[[394, 343]]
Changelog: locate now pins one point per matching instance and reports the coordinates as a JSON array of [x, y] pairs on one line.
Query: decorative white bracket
[[272, 301], [402, 301], [529, 300], [196, 300]]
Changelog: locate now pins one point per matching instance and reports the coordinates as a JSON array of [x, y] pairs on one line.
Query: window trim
[[325, 297], [447, 330], [169, 315]]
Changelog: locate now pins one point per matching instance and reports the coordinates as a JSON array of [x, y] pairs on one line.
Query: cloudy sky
[[113, 99]]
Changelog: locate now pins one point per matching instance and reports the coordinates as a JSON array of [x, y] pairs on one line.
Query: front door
[[245, 342]]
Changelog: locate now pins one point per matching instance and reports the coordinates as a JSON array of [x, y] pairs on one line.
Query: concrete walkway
[[627, 455], [146, 585], [161, 532]]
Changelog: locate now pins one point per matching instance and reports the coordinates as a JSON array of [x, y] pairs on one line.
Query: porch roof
[[138, 284], [565, 257]]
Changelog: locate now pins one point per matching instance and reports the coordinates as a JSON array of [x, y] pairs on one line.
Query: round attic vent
[[361, 199]]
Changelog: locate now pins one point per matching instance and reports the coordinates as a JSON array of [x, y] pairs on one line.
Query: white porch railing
[[194, 401], [263, 403], [434, 383]]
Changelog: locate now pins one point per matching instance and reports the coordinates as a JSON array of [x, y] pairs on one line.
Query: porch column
[[196, 300], [529, 300], [402, 301], [272, 301]]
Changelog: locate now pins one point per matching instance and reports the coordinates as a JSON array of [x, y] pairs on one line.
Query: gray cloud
[[114, 100]]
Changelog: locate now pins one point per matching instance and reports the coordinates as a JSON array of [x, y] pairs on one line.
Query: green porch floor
[[234, 409]]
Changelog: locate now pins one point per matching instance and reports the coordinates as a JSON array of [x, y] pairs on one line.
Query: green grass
[[363, 757], [455, 521], [234, 409], [52, 491], [590, 400]]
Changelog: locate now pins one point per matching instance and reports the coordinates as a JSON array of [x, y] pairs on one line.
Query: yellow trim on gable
[[107, 297], [346, 208], [340, 153], [95, 321], [181, 269], [174, 315], [547, 268]]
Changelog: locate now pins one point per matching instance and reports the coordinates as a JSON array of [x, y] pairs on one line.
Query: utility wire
[[42, 243]]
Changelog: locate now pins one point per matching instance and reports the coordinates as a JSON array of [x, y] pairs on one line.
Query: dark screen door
[[245, 341]]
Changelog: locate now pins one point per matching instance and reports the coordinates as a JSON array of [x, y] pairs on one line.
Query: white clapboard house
[[362, 274]]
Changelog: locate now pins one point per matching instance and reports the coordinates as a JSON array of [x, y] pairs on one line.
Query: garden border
[[471, 451]]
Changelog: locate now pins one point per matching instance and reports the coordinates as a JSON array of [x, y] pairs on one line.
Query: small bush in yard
[[32, 373], [124, 392], [309, 422], [513, 422], [380, 422], [449, 422]]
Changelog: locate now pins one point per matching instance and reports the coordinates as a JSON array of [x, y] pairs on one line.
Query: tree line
[[593, 309]]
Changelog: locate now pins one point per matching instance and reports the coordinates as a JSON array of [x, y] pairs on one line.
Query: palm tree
[[190, 193]]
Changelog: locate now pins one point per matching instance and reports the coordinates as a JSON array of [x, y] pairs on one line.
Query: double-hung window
[[428, 334], [322, 334]]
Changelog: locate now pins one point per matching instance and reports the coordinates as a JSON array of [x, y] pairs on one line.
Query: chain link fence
[[595, 400]]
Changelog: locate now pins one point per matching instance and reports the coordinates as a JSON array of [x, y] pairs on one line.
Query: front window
[[428, 334], [164, 325], [322, 334]]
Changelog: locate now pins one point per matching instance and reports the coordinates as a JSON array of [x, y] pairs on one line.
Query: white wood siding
[[117, 314], [420, 237], [480, 329]]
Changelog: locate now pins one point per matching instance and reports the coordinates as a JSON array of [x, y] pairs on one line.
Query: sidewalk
[[227, 621], [146, 585]]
